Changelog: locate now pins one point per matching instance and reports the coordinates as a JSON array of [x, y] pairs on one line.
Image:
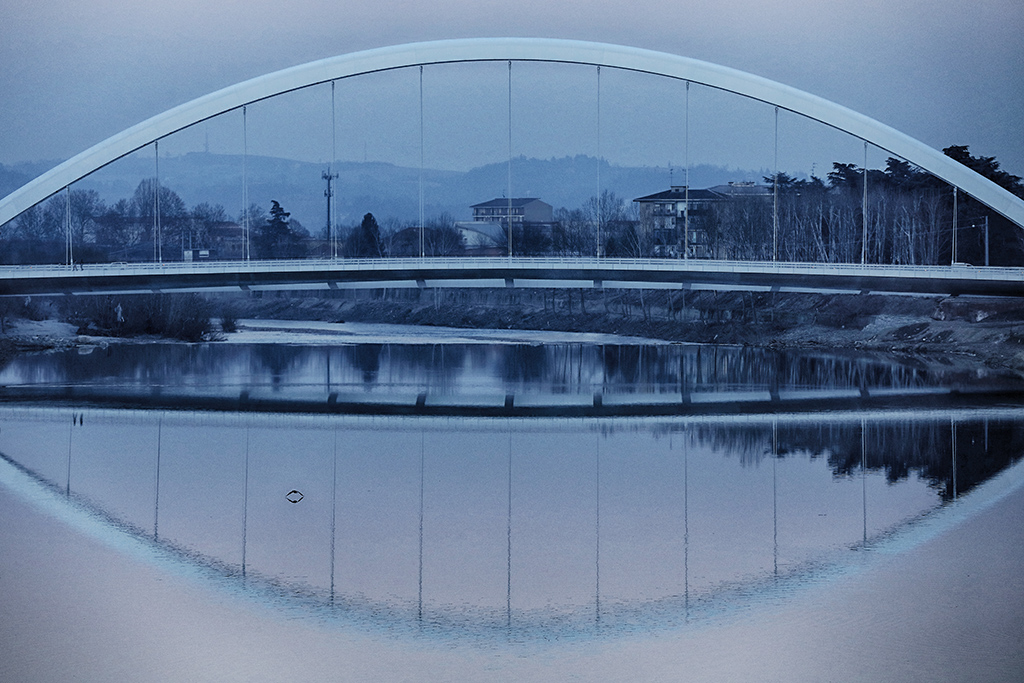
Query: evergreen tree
[[274, 237], [364, 241]]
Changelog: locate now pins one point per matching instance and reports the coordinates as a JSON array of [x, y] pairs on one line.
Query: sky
[[74, 72]]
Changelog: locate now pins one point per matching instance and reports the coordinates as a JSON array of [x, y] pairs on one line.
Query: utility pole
[[329, 193]]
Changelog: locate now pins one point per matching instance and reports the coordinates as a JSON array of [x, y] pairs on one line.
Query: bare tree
[[573, 234]]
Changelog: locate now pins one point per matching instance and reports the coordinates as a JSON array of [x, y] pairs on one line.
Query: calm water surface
[[470, 490]]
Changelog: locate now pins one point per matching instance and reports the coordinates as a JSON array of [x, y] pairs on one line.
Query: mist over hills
[[14, 176], [388, 191]]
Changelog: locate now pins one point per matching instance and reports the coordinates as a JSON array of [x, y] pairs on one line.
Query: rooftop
[[503, 202], [678, 193]]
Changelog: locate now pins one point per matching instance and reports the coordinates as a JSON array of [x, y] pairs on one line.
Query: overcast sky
[[73, 72]]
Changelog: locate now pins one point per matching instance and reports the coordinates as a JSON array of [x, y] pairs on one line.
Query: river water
[[499, 492]]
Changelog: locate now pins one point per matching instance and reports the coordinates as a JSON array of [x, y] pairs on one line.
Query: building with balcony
[[668, 214], [531, 221], [522, 210]]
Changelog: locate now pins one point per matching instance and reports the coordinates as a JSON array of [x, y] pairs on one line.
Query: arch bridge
[[514, 271]]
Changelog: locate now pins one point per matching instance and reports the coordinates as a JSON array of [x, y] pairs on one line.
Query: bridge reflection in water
[[538, 526], [498, 380], [528, 527]]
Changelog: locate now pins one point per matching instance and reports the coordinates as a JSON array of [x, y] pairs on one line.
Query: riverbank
[[949, 330], [25, 336], [966, 332]]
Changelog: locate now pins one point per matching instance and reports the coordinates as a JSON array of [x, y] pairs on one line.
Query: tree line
[[909, 220], [123, 231]]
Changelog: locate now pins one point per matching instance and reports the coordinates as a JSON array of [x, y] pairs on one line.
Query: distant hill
[[389, 192], [14, 176]]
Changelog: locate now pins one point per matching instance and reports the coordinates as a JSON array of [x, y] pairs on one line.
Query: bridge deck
[[507, 272]]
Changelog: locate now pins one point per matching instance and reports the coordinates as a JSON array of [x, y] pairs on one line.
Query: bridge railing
[[500, 263]]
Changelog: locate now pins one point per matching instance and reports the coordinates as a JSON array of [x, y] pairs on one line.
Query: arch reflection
[[519, 527]]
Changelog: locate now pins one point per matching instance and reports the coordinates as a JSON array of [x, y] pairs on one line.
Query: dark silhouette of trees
[[442, 238], [909, 219], [1006, 240], [275, 237], [40, 235], [118, 229], [365, 241], [37, 235], [573, 233], [531, 240], [202, 219], [986, 166], [181, 316], [173, 217]]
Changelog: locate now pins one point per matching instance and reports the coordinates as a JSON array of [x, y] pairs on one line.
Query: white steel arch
[[515, 49]]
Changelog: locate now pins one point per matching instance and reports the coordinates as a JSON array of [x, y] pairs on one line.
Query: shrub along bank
[[188, 317], [988, 330]]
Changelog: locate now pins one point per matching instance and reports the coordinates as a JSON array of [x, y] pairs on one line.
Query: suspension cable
[[599, 216], [69, 246], [331, 232], [864, 210], [952, 258], [422, 246], [686, 176], [775, 193], [158, 252], [510, 158], [245, 186]]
